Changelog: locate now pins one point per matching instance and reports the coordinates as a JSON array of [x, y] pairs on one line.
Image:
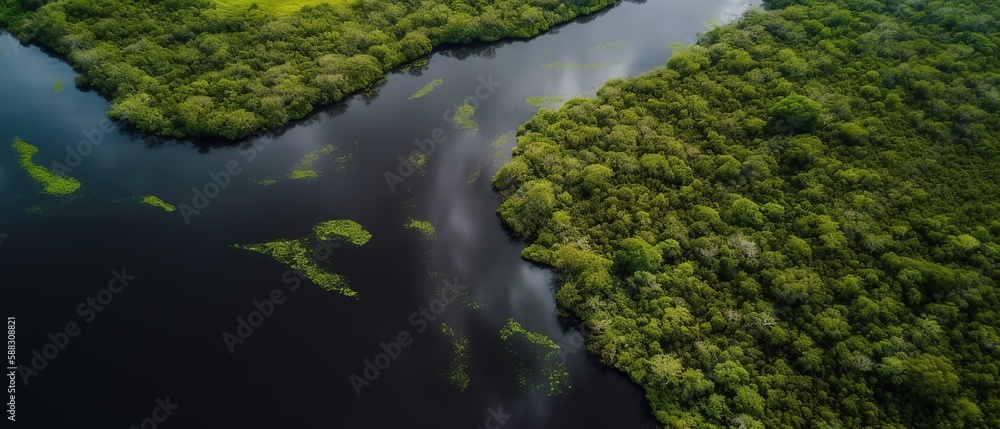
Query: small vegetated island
[[793, 224], [187, 68]]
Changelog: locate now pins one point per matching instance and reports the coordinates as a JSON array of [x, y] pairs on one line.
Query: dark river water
[[161, 336]]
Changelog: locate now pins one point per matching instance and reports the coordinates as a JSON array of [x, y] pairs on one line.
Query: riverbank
[[791, 225], [190, 69]]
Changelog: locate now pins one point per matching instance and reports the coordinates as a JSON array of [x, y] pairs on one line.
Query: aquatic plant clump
[[303, 168], [52, 183], [423, 226], [500, 140], [538, 101], [298, 254], [474, 177], [267, 182], [554, 372], [463, 117], [457, 373], [157, 202], [419, 162], [342, 228], [426, 89]]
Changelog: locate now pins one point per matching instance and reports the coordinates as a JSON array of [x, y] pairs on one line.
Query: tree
[[795, 114]]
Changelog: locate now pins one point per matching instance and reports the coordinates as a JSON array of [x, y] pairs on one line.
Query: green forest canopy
[[185, 68], [793, 224]]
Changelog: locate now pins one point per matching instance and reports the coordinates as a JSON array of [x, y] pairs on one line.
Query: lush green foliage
[[426, 89], [52, 183], [458, 371], [155, 201], [185, 68], [278, 7], [791, 225]]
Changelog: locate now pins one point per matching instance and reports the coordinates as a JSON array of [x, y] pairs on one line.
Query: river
[[162, 335]]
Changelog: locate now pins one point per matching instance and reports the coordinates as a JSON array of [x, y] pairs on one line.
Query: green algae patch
[[328, 148], [304, 168], [500, 140], [266, 182], [155, 201], [57, 87], [463, 117], [342, 228], [299, 255], [52, 183], [538, 101], [554, 377], [457, 373], [474, 177], [553, 65], [419, 162], [426, 89], [423, 226]]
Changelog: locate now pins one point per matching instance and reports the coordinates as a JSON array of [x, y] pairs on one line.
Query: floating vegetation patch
[[419, 162], [474, 177], [461, 296], [267, 181], [426, 89], [538, 100], [553, 65], [298, 254], [155, 201], [342, 228], [457, 373], [423, 226], [52, 183], [463, 117], [57, 87], [500, 141], [555, 376], [304, 168], [609, 45]]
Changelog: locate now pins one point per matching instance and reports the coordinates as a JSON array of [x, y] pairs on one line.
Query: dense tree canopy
[[186, 68], [793, 224]]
